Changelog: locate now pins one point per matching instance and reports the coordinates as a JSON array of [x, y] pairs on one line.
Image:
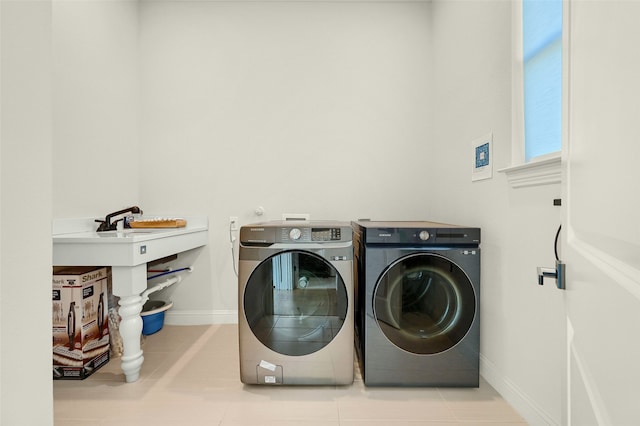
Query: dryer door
[[295, 302], [424, 303]]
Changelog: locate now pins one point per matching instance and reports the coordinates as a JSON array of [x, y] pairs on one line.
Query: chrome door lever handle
[[558, 273], [545, 272]]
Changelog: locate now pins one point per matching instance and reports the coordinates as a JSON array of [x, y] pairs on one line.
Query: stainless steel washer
[[295, 303]]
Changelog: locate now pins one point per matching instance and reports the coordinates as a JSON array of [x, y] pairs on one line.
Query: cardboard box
[[80, 321]]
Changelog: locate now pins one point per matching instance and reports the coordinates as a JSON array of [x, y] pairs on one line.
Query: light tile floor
[[190, 377]]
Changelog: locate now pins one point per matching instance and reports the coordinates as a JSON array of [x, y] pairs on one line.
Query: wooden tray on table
[[159, 223]]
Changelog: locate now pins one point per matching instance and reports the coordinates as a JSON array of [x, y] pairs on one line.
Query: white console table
[[76, 243]]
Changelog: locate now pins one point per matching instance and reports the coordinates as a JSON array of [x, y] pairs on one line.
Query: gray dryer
[[417, 303]]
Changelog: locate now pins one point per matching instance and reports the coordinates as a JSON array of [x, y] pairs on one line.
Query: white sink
[[76, 243]]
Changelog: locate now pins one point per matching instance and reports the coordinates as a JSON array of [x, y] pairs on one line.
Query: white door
[[601, 214]]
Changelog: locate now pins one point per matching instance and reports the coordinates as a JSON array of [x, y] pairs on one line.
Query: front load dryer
[[417, 303], [295, 303]]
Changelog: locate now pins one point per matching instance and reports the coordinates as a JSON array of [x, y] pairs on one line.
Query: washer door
[[295, 302], [424, 303]]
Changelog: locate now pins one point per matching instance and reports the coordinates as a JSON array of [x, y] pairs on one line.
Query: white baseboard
[[200, 317], [526, 407]]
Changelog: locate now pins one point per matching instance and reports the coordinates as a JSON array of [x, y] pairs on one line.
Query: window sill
[[537, 173]]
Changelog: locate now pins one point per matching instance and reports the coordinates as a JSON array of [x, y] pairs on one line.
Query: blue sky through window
[[542, 55]]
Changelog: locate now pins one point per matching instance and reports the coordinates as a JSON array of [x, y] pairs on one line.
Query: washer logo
[[338, 257], [384, 235], [471, 252]]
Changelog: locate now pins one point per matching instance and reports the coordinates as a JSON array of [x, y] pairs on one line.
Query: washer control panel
[[267, 233], [311, 234], [325, 234]]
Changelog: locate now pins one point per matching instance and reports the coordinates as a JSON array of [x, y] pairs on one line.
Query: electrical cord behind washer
[[233, 254]]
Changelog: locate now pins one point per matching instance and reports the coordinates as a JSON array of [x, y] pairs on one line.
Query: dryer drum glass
[[424, 303], [297, 302]]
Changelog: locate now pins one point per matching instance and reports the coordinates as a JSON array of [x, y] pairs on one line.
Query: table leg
[[128, 283]]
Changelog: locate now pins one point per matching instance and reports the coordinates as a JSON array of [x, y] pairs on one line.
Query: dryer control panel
[[418, 233]]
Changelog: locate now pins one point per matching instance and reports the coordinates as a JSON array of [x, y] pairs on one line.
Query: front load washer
[[295, 303], [417, 291]]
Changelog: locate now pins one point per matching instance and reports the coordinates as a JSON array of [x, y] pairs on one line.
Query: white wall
[[95, 107], [472, 97], [299, 107], [26, 396]]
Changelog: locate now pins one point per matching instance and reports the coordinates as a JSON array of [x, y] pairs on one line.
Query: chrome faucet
[[107, 225]]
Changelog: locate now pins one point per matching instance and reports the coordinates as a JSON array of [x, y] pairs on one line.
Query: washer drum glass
[[424, 303], [295, 302]]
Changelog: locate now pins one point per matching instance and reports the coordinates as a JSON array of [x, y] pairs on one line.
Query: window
[[542, 76], [539, 73]]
